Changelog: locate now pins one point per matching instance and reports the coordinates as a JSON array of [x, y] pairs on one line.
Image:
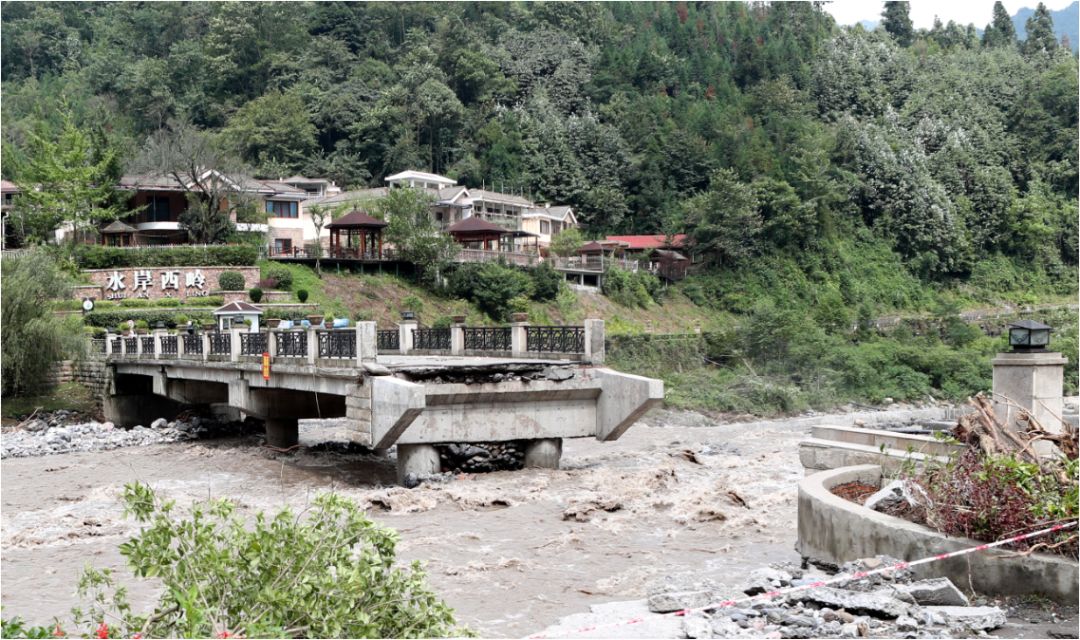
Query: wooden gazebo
[[475, 233], [362, 236], [118, 234]]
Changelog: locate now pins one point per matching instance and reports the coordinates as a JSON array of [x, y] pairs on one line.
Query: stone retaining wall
[[834, 530]]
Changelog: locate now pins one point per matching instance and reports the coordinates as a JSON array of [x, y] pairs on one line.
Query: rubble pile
[[36, 437], [892, 605], [482, 457]]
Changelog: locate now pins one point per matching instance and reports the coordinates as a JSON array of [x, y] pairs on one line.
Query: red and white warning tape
[[858, 575]]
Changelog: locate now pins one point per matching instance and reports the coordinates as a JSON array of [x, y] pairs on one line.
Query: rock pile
[[889, 606], [37, 438], [482, 457]]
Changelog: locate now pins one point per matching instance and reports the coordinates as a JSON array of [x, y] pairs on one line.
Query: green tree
[[1000, 32], [897, 22], [68, 179], [33, 337], [413, 231], [567, 242], [1040, 32], [272, 129], [723, 223]]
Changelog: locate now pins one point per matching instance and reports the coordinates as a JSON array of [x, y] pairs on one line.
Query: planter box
[[833, 530]]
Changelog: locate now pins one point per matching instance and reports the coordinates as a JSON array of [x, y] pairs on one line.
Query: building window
[[157, 209], [282, 246], [279, 209], [545, 226]]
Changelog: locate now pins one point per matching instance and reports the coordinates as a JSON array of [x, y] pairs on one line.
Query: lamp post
[[1028, 335], [1031, 377]]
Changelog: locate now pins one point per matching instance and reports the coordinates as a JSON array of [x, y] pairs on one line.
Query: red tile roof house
[[665, 259]]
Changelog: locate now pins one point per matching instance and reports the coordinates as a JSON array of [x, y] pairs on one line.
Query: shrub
[[142, 324], [442, 322], [102, 257], [328, 573], [490, 286], [627, 288], [112, 318], [546, 283], [281, 276], [181, 320], [231, 281], [302, 295], [412, 303], [255, 294]]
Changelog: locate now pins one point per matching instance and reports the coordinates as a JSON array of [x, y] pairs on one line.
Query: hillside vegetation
[[824, 175]]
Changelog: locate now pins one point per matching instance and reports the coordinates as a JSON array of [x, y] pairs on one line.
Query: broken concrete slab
[[871, 604], [765, 579], [970, 618], [935, 591], [678, 592]]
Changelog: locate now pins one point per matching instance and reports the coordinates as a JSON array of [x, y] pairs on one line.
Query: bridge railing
[[365, 342]]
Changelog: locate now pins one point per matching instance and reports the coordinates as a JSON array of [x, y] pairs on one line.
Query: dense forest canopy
[[761, 129]]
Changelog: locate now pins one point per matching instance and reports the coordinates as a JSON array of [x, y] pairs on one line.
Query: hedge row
[[102, 257], [110, 318]]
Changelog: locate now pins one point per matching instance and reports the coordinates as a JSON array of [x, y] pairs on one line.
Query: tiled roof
[[557, 212], [420, 175], [495, 196], [8, 187], [350, 196], [651, 242], [475, 225]]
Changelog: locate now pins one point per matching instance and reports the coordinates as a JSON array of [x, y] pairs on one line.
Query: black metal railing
[[388, 339], [168, 345], [147, 345], [337, 344], [433, 339], [220, 343], [555, 339], [192, 344], [131, 345], [116, 346], [291, 344], [253, 344], [487, 338], [97, 345]]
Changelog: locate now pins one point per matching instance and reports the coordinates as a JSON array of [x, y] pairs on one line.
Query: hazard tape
[[857, 575]]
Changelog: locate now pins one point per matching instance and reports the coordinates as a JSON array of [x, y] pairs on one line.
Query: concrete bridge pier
[[543, 453], [282, 432], [419, 459]]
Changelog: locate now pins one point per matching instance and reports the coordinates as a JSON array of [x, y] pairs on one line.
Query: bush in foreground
[[326, 573]]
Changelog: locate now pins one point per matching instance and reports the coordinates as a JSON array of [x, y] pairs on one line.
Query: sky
[[922, 13]]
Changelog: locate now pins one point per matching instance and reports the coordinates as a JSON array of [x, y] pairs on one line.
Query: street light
[[1029, 335]]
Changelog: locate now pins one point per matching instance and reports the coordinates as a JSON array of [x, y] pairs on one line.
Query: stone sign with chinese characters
[[162, 282]]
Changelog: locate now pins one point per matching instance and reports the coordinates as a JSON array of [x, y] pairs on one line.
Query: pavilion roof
[[356, 219]]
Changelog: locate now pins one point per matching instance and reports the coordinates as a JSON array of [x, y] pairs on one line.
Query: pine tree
[[1000, 32], [1040, 32], [897, 22]]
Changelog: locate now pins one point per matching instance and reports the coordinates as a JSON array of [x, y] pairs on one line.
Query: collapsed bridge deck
[[404, 399]]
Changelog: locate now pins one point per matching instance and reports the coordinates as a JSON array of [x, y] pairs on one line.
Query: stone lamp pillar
[[1032, 378]]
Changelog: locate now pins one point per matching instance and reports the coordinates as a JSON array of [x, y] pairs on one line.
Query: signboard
[[164, 282], [266, 366]]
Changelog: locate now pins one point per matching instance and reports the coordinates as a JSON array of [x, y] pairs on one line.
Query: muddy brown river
[[512, 552]]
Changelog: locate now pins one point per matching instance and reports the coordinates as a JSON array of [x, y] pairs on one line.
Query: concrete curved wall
[[835, 531]]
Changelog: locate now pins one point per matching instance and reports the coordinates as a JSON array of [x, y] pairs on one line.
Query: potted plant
[[273, 322], [329, 321], [519, 317], [123, 328], [208, 326], [182, 321], [315, 319], [142, 327], [458, 319]]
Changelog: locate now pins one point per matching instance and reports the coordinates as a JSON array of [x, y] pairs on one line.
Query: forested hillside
[[765, 131]]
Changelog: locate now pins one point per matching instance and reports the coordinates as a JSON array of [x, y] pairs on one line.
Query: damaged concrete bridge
[[412, 387]]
